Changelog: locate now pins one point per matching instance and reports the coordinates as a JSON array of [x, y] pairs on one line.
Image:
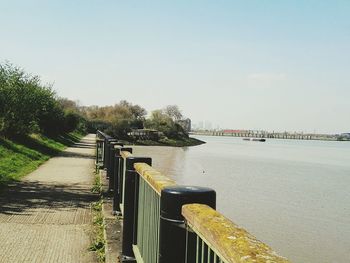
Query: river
[[292, 194]]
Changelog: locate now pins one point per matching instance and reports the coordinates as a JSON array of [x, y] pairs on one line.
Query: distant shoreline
[[277, 136], [184, 142]]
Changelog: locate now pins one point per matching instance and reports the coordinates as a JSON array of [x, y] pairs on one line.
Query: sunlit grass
[[19, 157]]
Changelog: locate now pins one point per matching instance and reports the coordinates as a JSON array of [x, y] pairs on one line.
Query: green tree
[[173, 112], [27, 106]]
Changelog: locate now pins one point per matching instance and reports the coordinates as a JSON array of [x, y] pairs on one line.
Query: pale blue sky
[[273, 65]]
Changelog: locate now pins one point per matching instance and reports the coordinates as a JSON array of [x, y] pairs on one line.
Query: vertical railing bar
[[140, 215], [144, 219], [152, 227], [142, 187], [197, 249], [147, 225], [124, 169], [153, 243], [157, 229], [186, 253], [202, 252]]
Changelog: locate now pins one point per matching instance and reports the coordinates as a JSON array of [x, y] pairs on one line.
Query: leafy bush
[[162, 121], [27, 106]]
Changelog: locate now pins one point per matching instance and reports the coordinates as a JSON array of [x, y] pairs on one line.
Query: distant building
[[145, 134], [200, 125], [185, 124], [208, 126]]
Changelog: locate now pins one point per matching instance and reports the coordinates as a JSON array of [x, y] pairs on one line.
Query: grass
[[20, 156], [97, 187], [99, 241]]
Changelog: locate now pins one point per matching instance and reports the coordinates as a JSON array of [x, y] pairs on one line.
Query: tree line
[[28, 106], [118, 120]]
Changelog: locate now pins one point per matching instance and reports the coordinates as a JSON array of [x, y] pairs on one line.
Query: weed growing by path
[[99, 242], [97, 187]]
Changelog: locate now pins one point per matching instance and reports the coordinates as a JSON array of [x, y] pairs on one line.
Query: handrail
[[154, 178], [230, 242], [104, 135]]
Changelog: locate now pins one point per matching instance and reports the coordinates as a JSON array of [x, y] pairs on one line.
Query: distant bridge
[[264, 134]]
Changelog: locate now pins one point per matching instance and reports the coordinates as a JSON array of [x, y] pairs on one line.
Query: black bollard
[[129, 214], [172, 232]]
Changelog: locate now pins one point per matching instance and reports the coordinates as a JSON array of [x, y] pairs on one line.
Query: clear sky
[[273, 65]]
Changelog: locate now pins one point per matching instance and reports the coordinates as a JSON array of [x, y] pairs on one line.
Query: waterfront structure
[[265, 134], [145, 134]]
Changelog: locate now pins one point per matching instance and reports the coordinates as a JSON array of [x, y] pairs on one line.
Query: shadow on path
[[76, 155], [21, 197]]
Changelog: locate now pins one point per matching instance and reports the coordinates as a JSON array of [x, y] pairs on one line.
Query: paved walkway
[[46, 217]]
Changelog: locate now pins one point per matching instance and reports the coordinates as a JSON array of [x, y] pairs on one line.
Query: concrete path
[[46, 217]]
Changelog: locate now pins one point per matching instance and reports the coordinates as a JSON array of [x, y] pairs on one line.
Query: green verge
[[19, 157], [99, 241]]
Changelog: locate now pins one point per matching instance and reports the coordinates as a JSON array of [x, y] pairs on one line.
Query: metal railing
[[149, 185], [217, 239], [167, 223], [147, 238]]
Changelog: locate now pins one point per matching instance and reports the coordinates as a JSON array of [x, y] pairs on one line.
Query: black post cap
[[112, 143], [174, 197], [126, 149], [130, 161]]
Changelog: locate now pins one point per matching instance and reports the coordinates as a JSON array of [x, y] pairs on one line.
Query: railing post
[[172, 232], [111, 166], [104, 152], [97, 152], [116, 175], [129, 207], [107, 162], [121, 174]]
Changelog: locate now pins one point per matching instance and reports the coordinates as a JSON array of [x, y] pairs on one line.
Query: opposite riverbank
[[181, 142]]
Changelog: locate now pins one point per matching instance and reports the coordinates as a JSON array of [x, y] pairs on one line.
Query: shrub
[[27, 106]]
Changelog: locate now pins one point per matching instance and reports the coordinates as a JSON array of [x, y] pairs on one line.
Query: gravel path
[[46, 217]]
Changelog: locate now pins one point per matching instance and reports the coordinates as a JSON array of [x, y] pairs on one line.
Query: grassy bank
[[21, 156], [171, 142]]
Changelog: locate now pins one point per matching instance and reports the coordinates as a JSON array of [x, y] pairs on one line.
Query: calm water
[[293, 195]]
